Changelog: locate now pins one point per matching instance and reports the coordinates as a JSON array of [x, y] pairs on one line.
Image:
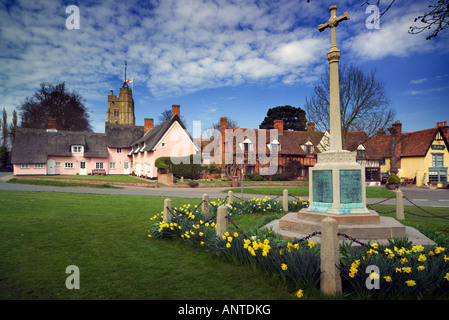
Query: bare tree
[[436, 19], [364, 105]]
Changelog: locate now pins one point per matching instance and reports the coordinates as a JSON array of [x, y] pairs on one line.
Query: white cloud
[[419, 81]]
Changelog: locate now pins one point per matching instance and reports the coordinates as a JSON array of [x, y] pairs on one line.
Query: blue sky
[[217, 58]]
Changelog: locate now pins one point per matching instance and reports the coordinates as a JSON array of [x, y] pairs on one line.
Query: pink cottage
[[123, 148]]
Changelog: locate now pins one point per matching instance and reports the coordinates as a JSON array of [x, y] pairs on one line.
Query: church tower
[[121, 108]]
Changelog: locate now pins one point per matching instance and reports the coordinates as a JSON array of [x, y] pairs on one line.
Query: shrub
[[393, 179], [193, 184]]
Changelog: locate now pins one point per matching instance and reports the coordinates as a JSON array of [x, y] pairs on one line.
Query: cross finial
[[333, 23]]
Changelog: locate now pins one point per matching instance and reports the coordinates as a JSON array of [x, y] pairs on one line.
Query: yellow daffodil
[[300, 293], [284, 266], [421, 268], [422, 258], [410, 283], [387, 278], [228, 245]]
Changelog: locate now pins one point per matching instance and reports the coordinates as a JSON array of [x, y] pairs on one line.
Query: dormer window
[[308, 147], [247, 145], [361, 152], [77, 149], [274, 146]]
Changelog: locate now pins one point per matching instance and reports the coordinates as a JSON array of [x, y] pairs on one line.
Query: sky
[[232, 58]]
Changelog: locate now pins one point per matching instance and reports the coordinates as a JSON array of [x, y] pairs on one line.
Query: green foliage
[[294, 118], [163, 164], [393, 179]]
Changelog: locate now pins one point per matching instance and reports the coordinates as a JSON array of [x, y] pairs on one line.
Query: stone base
[[363, 227]]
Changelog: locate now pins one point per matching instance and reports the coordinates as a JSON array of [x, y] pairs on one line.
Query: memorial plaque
[[350, 186], [322, 186]]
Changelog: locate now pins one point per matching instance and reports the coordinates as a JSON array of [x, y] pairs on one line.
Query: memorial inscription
[[322, 186], [350, 186]]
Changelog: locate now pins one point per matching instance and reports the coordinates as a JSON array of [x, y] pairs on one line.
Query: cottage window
[[68, 165], [38, 166], [24, 166], [119, 150], [308, 149], [98, 165], [57, 164], [250, 169], [77, 149], [111, 165], [116, 113]]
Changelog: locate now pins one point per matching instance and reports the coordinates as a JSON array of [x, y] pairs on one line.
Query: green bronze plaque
[[350, 186], [322, 186]]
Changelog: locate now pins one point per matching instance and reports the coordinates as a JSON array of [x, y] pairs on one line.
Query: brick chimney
[[175, 109], [445, 128], [51, 125], [398, 126], [149, 124], [223, 124], [279, 125], [311, 127]]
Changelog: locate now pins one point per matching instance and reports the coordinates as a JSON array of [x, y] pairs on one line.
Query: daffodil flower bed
[[411, 272], [405, 272]]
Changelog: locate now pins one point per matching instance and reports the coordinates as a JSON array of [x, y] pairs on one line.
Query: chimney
[[175, 109], [51, 125], [279, 125], [398, 126], [311, 127], [149, 124], [223, 124]]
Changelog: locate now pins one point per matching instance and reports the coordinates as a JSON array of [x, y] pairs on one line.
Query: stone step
[[387, 227], [291, 227]]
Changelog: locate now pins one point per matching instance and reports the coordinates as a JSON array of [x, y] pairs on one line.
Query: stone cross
[[333, 56]]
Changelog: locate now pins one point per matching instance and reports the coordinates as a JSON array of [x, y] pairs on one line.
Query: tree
[[55, 102], [364, 105], [437, 17], [13, 126], [166, 115], [294, 118], [4, 126]]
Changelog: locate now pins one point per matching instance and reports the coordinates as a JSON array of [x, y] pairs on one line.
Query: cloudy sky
[[234, 58]]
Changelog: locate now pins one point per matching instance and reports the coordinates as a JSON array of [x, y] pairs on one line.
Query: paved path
[[419, 196]]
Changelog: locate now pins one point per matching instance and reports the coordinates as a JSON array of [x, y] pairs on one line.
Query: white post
[[167, 210], [205, 205], [222, 222], [285, 200], [330, 280], [399, 205], [230, 197]]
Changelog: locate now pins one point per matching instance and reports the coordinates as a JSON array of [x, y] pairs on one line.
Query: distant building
[[422, 156], [122, 149]]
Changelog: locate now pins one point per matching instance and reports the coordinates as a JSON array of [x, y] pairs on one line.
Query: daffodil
[[284, 266], [300, 293], [387, 278], [410, 283], [422, 258]]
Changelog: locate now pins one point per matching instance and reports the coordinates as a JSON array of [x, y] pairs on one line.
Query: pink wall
[[76, 159], [177, 144]]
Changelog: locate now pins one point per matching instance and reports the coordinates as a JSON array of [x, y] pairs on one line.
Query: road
[[419, 196]]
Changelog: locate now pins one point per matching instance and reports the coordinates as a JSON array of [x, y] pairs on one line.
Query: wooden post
[[167, 210], [205, 205], [330, 281], [399, 205], [285, 200], [222, 222], [230, 197]]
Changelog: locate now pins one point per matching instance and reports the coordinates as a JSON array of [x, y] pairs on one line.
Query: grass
[[303, 191], [106, 237], [63, 183]]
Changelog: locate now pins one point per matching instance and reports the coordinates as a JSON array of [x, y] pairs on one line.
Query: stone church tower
[[121, 108]]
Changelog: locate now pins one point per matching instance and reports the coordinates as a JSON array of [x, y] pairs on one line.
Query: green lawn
[[303, 191], [106, 237]]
